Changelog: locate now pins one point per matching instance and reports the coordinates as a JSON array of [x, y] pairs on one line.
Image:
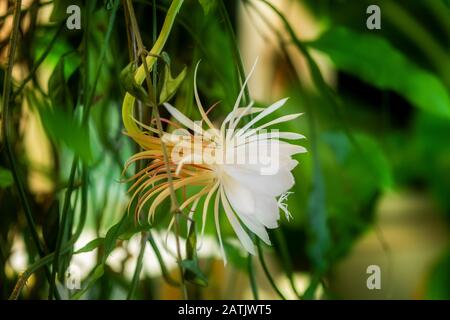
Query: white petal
[[188, 123], [270, 123], [240, 232], [272, 108], [274, 185], [255, 226], [199, 103], [267, 211], [267, 136], [241, 93], [288, 149], [240, 197], [217, 223]]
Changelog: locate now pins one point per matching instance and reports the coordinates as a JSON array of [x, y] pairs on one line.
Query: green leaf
[[439, 276], [235, 255], [170, 85], [208, 5], [121, 230], [94, 276], [6, 178], [58, 88], [376, 61], [63, 127], [366, 162], [191, 243], [193, 273], [91, 245], [131, 86], [50, 226]]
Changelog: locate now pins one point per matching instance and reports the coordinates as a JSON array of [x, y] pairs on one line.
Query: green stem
[[128, 102], [402, 20], [236, 52], [165, 273], [138, 269], [127, 108], [252, 277], [266, 270], [66, 247], [287, 263], [6, 134], [39, 61], [6, 127], [62, 229], [88, 99]]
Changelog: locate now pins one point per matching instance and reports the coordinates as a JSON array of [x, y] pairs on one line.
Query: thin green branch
[[6, 134], [286, 259], [39, 61], [138, 268], [252, 277], [165, 273], [21, 282], [236, 52], [141, 49], [24, 10], [266, 270], [88, 100]]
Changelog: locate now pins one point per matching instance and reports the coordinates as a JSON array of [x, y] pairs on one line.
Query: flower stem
[[21, 282], [266, 270], [141, 75], [138, 269], [236, 52], [251, 275], [88, 99]]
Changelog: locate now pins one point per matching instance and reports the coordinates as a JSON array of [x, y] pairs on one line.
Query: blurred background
[[373, 189]]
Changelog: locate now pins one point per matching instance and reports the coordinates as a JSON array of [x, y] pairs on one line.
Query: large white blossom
[[244, 168]]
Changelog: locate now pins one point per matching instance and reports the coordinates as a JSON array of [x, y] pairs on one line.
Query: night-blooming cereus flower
[[243, 169]]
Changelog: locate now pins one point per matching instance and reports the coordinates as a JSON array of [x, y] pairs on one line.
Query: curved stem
[[140, 75], [285, 258], [127, 107], [165, 273], [236, 52], [266, 270], [65, 248], [138, 269], [39, 61], [88, 99], [252, 278]]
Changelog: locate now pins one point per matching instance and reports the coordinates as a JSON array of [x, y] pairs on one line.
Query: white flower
[[245, 169]]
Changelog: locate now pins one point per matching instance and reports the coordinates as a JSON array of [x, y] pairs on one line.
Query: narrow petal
[[241, 93], [240, 197], [188, 123], [272, 108], [199, 103], [217, 223], [255, 226], [240, 232], [270, 123]]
